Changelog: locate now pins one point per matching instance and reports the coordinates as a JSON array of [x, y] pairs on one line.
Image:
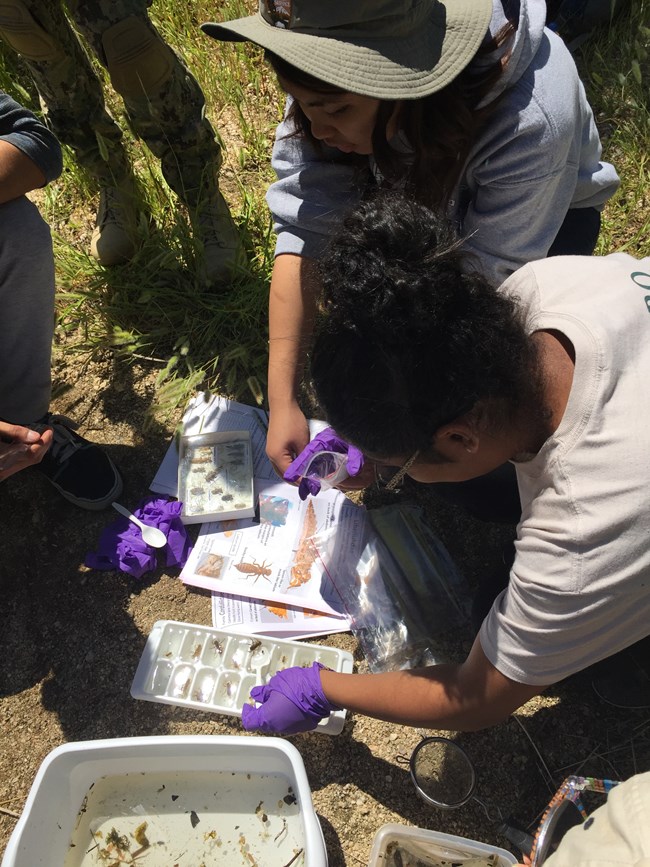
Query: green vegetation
[[615, 66], [154, 307]]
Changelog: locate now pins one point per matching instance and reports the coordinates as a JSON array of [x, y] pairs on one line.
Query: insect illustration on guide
[[254, 568], [306, 553], [212, 566]]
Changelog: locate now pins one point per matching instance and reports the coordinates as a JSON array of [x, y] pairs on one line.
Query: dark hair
[[441, 128], [411, 337]]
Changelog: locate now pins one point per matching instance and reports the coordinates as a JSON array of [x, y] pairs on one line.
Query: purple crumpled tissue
[[121, 545]]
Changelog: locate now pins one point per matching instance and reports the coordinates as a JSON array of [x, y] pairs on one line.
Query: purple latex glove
[[121, 545], [292, 701], [326, 441]]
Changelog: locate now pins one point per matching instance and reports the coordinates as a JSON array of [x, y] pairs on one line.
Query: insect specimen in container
[[254, 568], [117, 848], [204, 691], [202, 455], [283, 830], [183, 688]]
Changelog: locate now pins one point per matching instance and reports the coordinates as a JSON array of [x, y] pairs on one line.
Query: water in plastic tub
[[188, 819]]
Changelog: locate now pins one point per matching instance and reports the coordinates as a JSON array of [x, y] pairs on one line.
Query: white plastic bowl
[[43, 834], [447, 847]]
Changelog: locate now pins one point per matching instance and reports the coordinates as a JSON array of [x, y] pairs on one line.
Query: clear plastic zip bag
[[404, 595]]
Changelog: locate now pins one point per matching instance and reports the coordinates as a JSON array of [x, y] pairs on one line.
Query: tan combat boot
[[113, 238], [220, 248]]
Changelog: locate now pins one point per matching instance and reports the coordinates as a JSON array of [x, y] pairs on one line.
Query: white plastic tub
[[222, 800], [430, 844]]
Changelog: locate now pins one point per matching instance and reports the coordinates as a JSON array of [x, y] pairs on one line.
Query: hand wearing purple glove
[[326, 441], [292, 701]]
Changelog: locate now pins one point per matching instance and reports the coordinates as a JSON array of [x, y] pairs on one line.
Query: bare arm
[[464, 697], [18, 173], [292, 308]]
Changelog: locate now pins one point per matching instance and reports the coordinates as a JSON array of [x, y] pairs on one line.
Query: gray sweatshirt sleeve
[[21, 128], [312, 192], [539, 156]]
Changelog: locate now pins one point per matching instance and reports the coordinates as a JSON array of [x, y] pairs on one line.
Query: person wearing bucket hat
[[471, 106]]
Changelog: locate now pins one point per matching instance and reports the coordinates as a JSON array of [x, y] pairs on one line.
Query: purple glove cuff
[[308, 693], [292, 701]]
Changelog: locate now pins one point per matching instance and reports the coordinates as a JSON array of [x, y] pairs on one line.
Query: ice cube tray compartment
[[204, 685], [213, 669]]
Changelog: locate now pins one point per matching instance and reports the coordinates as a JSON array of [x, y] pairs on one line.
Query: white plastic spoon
[[151, 535]]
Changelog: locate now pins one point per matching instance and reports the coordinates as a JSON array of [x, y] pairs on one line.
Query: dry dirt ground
[[71, 640]]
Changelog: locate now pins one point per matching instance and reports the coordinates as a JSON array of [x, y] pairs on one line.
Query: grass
[[155, 308], [615, 65]]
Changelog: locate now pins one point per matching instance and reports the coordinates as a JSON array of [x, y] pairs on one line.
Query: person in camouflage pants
[[165, 106]]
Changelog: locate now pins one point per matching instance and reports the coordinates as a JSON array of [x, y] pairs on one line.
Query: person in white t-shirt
[[424, 364]]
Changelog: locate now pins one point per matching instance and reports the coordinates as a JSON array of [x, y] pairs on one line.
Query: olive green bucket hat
[[386, 49]]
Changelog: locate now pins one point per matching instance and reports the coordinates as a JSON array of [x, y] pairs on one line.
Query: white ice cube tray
[[211, 669]]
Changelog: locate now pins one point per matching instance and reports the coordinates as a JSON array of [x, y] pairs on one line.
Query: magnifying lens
[[444, 776]]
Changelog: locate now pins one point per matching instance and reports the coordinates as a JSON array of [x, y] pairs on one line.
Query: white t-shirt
[[579, 589]]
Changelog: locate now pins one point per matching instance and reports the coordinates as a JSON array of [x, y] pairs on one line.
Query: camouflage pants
[[162, 98]]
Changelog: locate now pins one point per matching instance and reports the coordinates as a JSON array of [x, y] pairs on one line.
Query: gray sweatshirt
[[538, 156], [20, 127]]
